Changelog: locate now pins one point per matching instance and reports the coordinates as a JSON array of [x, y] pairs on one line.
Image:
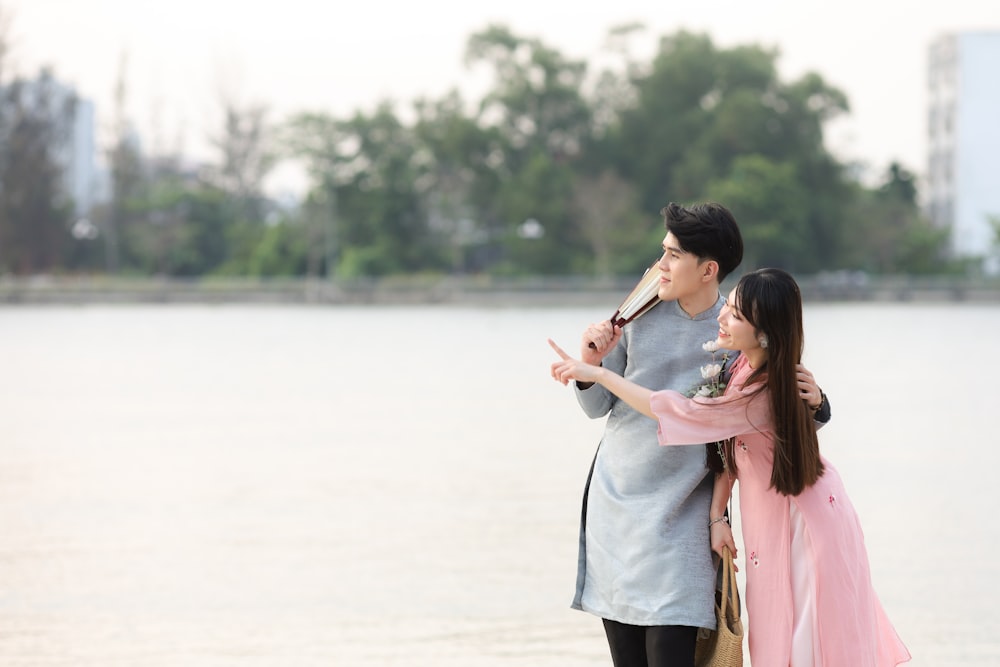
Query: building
[[75, 151], [963, 169]]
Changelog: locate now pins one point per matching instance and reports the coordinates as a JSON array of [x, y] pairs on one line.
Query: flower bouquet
[[714, 375]]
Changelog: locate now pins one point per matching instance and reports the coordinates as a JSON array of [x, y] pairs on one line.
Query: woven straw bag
[[724, 647]]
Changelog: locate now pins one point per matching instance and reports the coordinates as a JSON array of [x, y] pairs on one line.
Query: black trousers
[[651, 646]]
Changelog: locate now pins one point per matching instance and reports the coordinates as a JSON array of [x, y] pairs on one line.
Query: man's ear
[[709, 269]]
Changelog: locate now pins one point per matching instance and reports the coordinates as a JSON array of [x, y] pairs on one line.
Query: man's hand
[[809, 391], [598, 340]]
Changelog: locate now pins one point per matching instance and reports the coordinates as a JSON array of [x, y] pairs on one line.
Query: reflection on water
[[315, 486]]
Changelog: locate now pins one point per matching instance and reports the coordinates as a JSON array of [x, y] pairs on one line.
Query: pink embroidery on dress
[[833, 499], [742, 445], [754, 559]]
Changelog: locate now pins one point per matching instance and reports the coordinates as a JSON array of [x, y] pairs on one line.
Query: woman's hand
[[572, 369], [722, 536]]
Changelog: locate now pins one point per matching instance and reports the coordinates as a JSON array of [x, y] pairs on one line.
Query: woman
[[809, 596]]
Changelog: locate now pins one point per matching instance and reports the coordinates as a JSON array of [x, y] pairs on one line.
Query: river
[[314, 485]]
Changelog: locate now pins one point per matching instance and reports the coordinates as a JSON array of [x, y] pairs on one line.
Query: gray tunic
[[645, 557]]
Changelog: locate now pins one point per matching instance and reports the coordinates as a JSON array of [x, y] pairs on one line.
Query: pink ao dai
[[849, 626]]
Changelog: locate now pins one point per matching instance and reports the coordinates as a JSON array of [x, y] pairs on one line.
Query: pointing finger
[[558, 349]]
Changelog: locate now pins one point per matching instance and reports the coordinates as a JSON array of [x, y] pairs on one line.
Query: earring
[[763, 342]]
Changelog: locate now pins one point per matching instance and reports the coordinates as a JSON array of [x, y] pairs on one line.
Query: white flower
[[710, 371]]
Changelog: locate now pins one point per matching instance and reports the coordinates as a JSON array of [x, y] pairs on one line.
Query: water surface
[[400, 486]]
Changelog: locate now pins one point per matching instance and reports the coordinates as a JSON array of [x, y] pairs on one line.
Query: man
[[645, 564]]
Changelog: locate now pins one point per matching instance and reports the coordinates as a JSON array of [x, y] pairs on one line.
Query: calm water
[[317, 486]]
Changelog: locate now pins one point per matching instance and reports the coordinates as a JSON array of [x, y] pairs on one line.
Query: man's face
[[680, 272]]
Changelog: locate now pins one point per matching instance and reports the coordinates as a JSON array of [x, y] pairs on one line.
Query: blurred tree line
[[558, 169]]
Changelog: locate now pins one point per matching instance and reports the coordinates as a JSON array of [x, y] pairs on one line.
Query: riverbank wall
[[451, 290]]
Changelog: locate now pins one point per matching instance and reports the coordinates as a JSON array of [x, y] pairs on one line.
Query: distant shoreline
[[451, 290]]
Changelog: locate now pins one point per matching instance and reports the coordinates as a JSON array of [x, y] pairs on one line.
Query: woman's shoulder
[[741, 371], [740, 365]]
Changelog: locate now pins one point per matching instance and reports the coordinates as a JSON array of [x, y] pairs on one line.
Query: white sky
[[345, 55]]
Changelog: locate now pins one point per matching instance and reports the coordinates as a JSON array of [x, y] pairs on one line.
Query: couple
[[650, 512]]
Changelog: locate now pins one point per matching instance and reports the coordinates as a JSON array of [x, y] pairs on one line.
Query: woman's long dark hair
[[770, 300]]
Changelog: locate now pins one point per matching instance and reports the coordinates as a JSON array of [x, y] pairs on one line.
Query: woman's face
[[735, 333]]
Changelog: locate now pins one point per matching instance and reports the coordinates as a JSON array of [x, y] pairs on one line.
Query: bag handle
[[730, 591]]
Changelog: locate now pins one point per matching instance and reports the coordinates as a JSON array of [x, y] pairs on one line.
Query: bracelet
[[721, 519]]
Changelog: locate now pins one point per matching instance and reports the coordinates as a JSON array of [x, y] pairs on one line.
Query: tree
[[536, 99], [245, 157], [282, 251], [128, 180], [369, 168], [540, 236], [701, 112], [459, 184], [897, 237], [35, 117], [659, 130], [542, 122], [771, 207], [605, 211]]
